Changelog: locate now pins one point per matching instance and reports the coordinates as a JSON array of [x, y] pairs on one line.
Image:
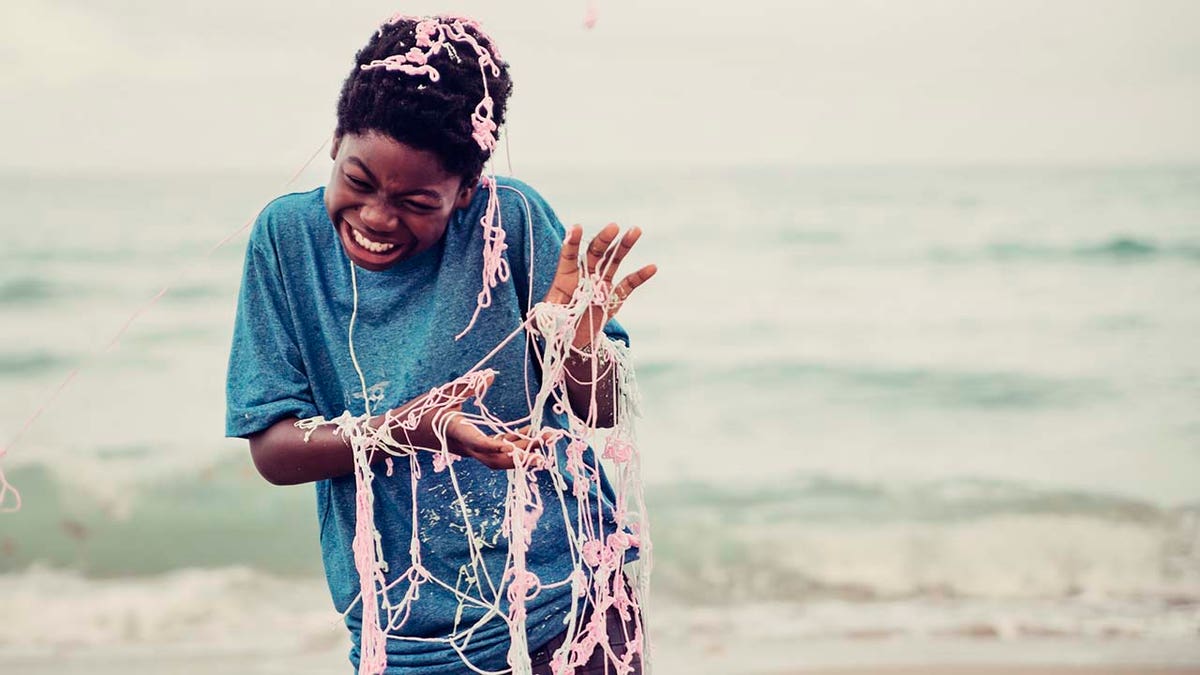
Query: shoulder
[[522, 206], [515, 193], [516, 185], [287, 215], [521, 209]]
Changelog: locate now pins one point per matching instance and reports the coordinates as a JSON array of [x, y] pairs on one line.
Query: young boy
[[351, 301]]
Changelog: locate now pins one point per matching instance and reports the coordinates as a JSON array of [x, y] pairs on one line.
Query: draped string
[[597, 579]]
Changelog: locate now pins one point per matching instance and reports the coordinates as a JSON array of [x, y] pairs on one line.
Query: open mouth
[[372, 246], [367, 252]]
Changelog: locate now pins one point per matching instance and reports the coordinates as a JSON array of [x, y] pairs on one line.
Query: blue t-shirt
[[290, 358]]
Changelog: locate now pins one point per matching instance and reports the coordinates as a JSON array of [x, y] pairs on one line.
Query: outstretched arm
[[286, 454]]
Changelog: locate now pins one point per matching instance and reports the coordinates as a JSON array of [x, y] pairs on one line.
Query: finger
[[494, 452], [477, 386], [567, 272], [598, 249], [531, 451], [568, 259], [619, 252], [528, 450], [525, 446], [460, 433], [515, 437], [496, 461], [493, 446], [511, 440], [627, 286]]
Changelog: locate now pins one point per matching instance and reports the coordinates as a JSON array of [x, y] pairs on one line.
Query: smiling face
[[389, 201]]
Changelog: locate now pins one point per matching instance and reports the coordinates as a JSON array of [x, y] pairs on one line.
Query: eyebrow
[[419, 191]]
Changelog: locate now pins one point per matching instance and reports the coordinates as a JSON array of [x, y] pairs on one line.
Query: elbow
[[271, 477], [265, 460]]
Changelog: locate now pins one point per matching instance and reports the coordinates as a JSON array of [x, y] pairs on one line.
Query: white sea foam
[[1014, 557], [230, 610], [233, 608]]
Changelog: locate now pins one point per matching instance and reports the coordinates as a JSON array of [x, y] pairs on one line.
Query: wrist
[[580, 357], [583, 342]]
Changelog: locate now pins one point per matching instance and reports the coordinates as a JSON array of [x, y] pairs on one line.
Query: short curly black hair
[[432, 116]]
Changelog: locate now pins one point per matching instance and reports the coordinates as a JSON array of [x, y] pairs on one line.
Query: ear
[[465, 194], [337, 142]]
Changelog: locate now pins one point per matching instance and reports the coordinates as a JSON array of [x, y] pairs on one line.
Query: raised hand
[[600, 263]]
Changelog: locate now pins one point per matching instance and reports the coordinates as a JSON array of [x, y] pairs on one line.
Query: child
[[351, 301]]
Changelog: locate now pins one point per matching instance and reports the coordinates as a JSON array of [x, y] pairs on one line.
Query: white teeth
[[373, 246]]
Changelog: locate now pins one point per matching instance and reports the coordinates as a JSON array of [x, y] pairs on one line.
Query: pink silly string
[[443, 460], [373, 660], [434, 35], [604, 559], [6, 489], [597, 554], [523, 509], [367, 548], [589, 15], [483, 124], [495, 264]]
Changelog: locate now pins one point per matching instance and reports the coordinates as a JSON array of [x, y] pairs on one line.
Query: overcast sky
[[151, 84]]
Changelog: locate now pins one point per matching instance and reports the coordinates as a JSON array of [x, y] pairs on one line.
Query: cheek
[[432, 230], [335, 201]]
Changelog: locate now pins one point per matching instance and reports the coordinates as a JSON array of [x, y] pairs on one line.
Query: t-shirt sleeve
[[537, 238], [267, 379]]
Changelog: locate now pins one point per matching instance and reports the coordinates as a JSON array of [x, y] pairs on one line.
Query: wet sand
[[966, 669], [765, 658]]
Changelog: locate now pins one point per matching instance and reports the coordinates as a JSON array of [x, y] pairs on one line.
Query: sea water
[[878, 403]]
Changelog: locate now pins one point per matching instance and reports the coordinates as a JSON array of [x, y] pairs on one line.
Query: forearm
[[285, 454], [591, 382]]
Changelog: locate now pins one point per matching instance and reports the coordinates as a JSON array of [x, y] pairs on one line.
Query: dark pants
[[596, 664]]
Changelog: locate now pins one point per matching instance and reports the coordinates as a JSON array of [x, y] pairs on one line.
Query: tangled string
[[597, 577]]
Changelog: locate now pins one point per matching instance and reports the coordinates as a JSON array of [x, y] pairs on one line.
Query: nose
[[378, 217]]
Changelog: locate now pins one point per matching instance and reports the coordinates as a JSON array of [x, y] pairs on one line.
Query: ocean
[[881, 405]]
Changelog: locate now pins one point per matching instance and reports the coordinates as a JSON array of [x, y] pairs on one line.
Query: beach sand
[[865, 660], [967, 669], [682, 653], [249, 664]]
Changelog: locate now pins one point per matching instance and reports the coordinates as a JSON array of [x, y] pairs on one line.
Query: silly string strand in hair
[[433, 36]]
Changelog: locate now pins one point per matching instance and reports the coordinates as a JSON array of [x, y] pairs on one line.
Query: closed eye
[[420, 206], [357, 183]]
